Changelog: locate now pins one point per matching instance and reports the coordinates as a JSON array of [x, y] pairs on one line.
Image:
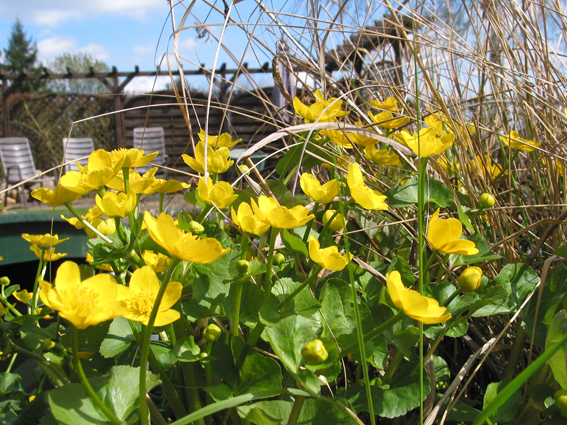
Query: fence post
[[6, 109]]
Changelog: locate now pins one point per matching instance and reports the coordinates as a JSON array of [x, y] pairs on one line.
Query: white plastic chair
[[75, 148], [151, 139], [18, 165]]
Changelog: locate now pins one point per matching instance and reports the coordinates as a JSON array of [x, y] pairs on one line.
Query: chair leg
[[24, 196]]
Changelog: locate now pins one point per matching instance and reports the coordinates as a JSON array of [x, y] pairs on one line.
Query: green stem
[[393, 367], [310, 223], [146, 342], [422, 181], [442, 268], [160, 203], [85, 382], [87, 224], [296, 410], [268, 282], [517, 348], [8, 305], [54, 371], [239, 287], [192, 391], [36, 282]]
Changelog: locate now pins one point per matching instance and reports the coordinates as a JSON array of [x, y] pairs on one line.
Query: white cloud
[[147, 84], [188, 43], [144, 49], [53, 13], [48, 48], [54, 46]]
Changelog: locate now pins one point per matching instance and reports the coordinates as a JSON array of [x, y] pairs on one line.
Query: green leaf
[[291, 158], [308, 380], [315, 411], [293, 243], [557, 330], [118, 339], [164, 355], [442, 372], [9, 382], [507, 410], [303, 304], [186, 350], [465, 218], [391, 401], [338, 309], [561, 251], [288, 337], [406, 273], [250, 303], [259, 373], [484, 254], [89, 339], [208, 294], [281, 192], [406, 194], [511, 286], [33, 336], [118, 389]]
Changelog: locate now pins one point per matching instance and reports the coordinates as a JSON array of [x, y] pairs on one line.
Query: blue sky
[[125, 33]]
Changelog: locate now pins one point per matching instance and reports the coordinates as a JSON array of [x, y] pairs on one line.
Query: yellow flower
[[44, 241], [338, 137], [48, 255], [132, 157], [322, 110], [56, 197], [23, 296], [116, 204], [141, 294], [168, 186], [137, 183], [156, 260], [328, 258], [367, 198], [222, 141], [470, 279], [220, 194], [382, 157], [180, 244], [247, 220], [105, 267], [445, 236], [485, 167], [390, 104], [386, 119], [217, 160], [281, 217], [83, 303], [514, 141], [431, 141], [338, 222], [423, 309], [99, 171], [322, 194]]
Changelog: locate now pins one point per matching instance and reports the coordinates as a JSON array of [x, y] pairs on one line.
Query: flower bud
[[243, 266], [48, 344], [560, 397], [470, 278], [338, 222], [244, 168], [196, 228], [279, 258], [204, 357], [314, 352], [4, 281], [486, 200], [212, 333]]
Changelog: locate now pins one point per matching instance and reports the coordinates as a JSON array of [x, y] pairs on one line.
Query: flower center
[[143, 302]]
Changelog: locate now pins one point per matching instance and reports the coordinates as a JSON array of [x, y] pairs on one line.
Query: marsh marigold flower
[[56, 197], [427, 142], [48, 254], [83, 303], [322, 194], [116, 204], [367, 198], [156, 260], [387, 120], [247, 220], [445, 236], [423, 309], [281, 217], [216, 142], [23, 296], [382, 157], [470, 279], [338, 222], [137, 183], [180, 244], [140, 297], [44, 241], [132, 157], [329, 258], [217, 160], [106, 267], [99, 171], [221, 193], [390, 104], [514, 141], [322, 110]]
